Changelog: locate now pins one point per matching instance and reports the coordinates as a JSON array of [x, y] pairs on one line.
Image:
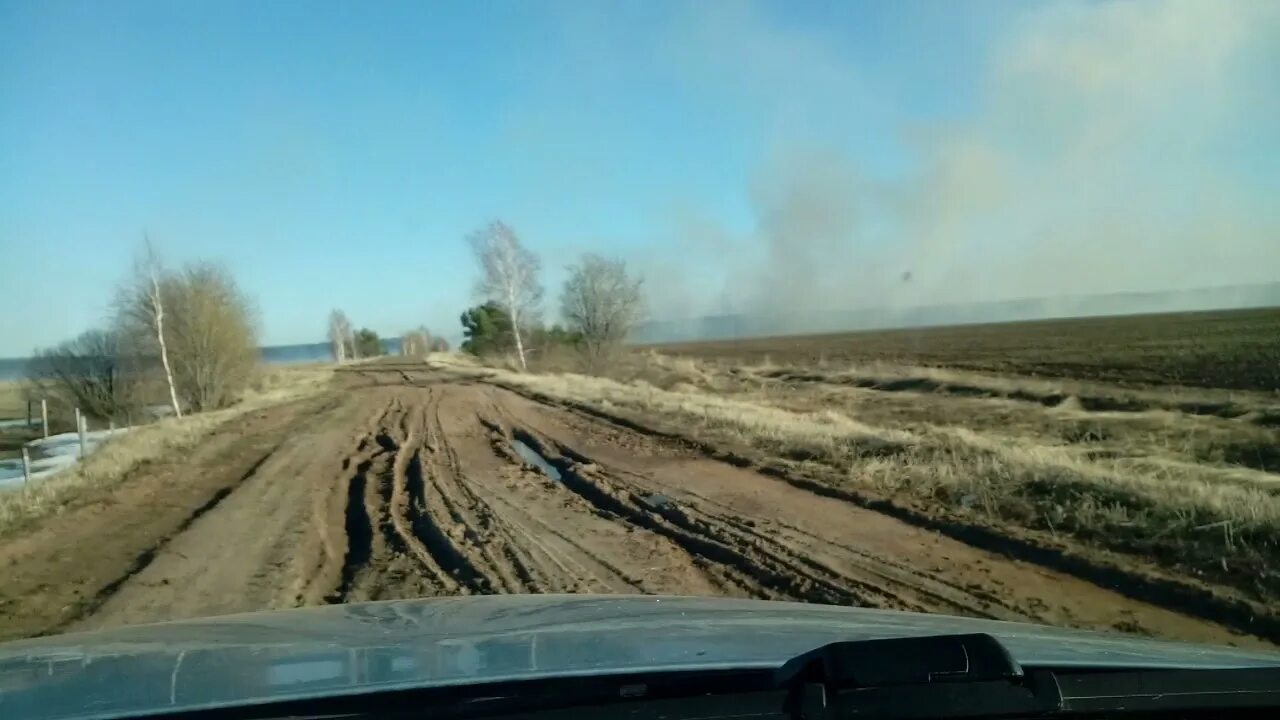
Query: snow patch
[[51, 454]]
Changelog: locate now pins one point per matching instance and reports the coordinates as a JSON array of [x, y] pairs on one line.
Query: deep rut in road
[[411, 484]]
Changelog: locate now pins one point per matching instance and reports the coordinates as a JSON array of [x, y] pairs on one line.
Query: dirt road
[[405, 482]]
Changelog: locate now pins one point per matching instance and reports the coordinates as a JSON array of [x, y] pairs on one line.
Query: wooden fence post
[[29, 412], [81, 423], [26, 467], [44, 415]]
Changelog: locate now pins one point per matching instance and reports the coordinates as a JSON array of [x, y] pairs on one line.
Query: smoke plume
[[1115, 147]]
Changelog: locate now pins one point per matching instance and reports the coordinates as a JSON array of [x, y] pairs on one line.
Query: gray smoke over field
[[1116, 147]]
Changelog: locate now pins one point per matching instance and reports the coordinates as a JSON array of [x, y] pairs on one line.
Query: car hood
[[359, 648]]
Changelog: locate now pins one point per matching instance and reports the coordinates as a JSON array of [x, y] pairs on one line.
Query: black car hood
[[351, 649]]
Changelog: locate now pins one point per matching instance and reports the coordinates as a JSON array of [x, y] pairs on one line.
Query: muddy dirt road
[[405, 482]]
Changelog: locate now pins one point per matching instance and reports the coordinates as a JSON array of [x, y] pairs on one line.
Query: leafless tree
[[339, 334], [509, 278], [602, 304], [91, 372], [140, 303], [416, 343], [212, 336]]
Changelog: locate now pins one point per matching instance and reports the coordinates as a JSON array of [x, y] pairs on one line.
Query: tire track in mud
[[482, 542], [265, 446], [413, 525], [890, 584], [754, 566], [459, 530], [145, 558], [249, 547], [895, 585], [495, 548], [577, 555], [514, 546], [732, 571], [441, 528], [574, 564], [385, 558], [325, 583], [357, 524], [359, 532], [753, 561]]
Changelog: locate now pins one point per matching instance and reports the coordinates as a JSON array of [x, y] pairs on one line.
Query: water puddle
[[535, 459]]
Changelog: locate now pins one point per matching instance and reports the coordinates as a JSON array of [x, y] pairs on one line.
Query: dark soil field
[[1236, 349]]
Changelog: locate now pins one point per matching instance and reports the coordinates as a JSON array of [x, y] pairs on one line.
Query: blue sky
[[336, 154]]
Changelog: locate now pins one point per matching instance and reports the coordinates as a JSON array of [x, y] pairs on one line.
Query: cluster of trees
[[347, 343], [419, 342], [368, 344], [600, 303], [186, 337], [487, 330]]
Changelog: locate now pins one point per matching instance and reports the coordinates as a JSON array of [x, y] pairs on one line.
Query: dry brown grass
[[1185, 516], [1067, 392], [13, 404], [1152, 441], [117, 457]]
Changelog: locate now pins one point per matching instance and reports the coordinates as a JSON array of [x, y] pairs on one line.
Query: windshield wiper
[[963, 676]]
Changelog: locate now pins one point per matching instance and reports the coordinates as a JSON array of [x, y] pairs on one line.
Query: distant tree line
[[600, 304], [420, 342], [183, 338], [348, 344], [187, 338]]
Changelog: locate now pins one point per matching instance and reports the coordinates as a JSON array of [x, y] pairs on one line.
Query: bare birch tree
[[509, 278], [601, 303], [141, 301], [339, 334], [416, 343]]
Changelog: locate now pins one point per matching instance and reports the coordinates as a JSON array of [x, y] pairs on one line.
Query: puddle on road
[[532, 457]]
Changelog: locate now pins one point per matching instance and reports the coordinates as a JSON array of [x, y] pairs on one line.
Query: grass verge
[[12, 402], [117, 457]]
